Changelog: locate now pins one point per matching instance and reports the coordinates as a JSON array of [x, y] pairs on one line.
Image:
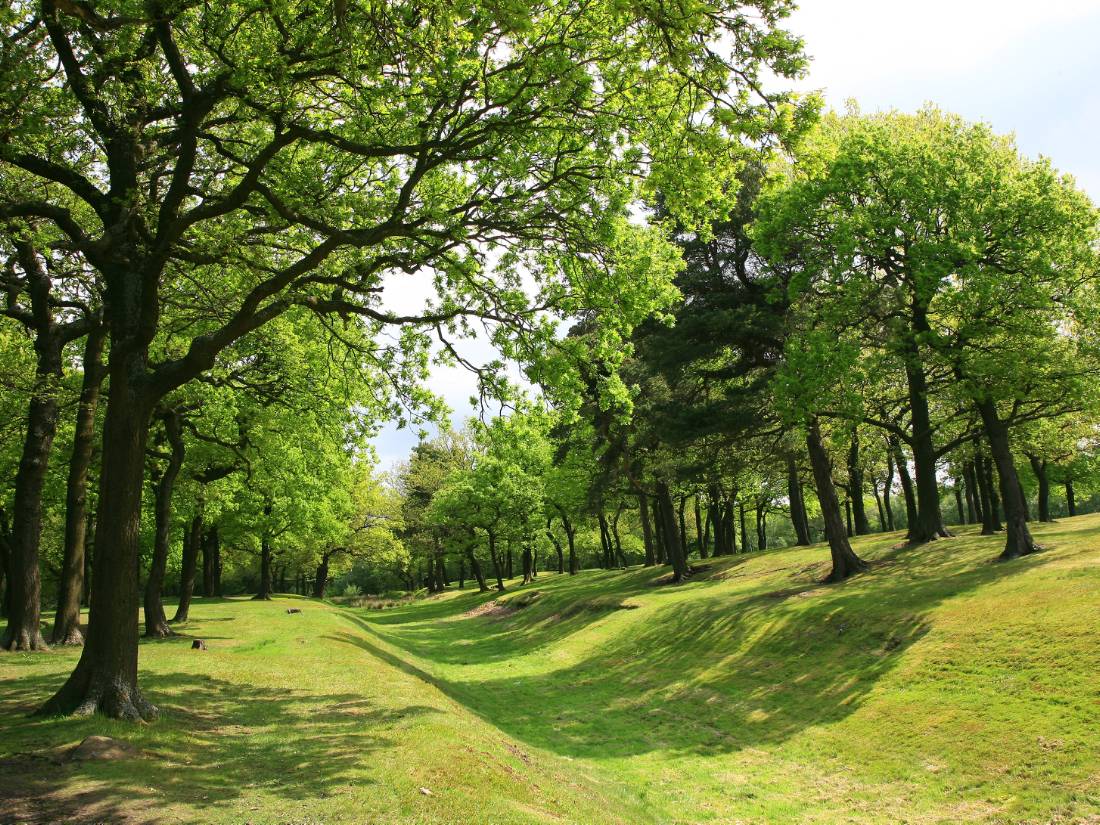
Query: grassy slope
[[939, 687]]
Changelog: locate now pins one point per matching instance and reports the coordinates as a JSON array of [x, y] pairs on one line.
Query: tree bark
[[188, 563], [557, 544], [475, 570], [24, 630], [673, 548], [5, 548], [1071, 501], [156, 623], [855, 489], [990, 522], [799, 520], [66, 625], [848, 516], [906, 485], [605, 540], [928, 524], [887, 490], [1039, 467], [320, 583], [264, 593], [496, 559], [845, 562], [746, 546], [647, 530], [700, 539], [878, 504], [528, 564], [957, 487], [970, 493], [105, 678], [1018, 540]]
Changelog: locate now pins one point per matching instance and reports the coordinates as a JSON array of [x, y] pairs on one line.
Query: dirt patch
[[493, 609]]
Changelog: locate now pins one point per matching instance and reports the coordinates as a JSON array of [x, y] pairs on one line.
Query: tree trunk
[[673, 548], [957, 487], [188, 563], [320, 583], [528, 564], [700, 539], [746, 546], [571, 535], [799, 520], [557, 544], [208, 565], [264, 593], [618, 540], [24, 630], [496, 559], [1071, 502], [647, 529], [5, 547], [970, 493], [156, 623], [105, 678], [878, 504], [1039, 467], [475, 570], [990, 522], [887, 490], [906, 484], [848, 515], [855, 489], [928, 524], [1018, 540], [716, 505], [845, 562], [683, 526], [605, 540], [216, 564], [66, 625], [994, 498], [658, 531]]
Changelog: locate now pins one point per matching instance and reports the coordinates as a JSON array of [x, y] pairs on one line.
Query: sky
[[1027, 68]]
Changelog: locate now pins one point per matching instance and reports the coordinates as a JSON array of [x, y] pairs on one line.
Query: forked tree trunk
[[1018, 540], [156, 623], [188, 565], [105, 678], [66, 625], [845, 562]]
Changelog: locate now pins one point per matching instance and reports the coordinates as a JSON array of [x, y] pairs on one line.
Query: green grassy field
[[939, 687]]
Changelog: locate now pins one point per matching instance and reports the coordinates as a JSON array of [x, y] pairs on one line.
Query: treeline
[[236, 237], [894, 329]]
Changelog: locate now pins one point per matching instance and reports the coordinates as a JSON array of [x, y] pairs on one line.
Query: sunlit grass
[[939, 687]]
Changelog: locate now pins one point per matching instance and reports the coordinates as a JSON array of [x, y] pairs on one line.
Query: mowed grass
[[938, 687]]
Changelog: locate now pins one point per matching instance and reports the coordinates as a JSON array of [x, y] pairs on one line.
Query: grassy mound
[[938, 687]]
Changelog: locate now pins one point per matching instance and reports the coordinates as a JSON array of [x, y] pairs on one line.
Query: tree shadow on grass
[[215, 743], [718, 672]]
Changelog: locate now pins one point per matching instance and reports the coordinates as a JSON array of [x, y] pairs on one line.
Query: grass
[[939, 687]]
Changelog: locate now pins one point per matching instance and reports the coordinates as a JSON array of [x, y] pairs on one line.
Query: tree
[[192, 148]]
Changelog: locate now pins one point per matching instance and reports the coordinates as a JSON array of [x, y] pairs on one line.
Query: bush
[[352, 590]]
